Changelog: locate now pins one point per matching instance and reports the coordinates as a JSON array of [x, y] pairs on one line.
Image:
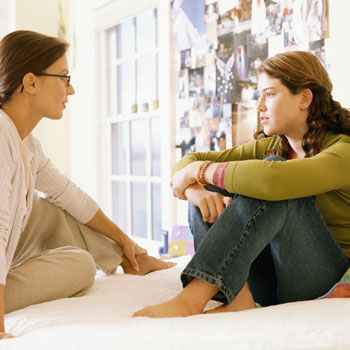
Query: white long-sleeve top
[[23, 168]]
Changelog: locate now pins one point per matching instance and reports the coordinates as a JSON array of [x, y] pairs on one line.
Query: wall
[[44, 16], [78, 155], [338, 50]]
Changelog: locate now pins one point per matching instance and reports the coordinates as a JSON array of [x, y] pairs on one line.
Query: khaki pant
[[56, 257]]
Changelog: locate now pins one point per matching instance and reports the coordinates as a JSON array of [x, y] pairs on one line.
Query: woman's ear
[[306, 98], [29, 82]]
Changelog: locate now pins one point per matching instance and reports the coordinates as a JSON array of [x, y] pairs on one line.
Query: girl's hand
[[4, 335], [211, 204], [184, 178]]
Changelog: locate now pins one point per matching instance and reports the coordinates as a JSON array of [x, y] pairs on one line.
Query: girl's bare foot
[[243, 301], [146, 263], [177, 307], [190, 301]]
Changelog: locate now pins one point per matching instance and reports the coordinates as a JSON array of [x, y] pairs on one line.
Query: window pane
[[146, 31], [119, 147], [155, 141], [156, 212], [125, 38], [125, 74], [119, 204], [138, 147], [139, 209], [146, 80]]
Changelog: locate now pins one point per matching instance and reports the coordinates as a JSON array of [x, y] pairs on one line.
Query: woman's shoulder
[[8, 137]]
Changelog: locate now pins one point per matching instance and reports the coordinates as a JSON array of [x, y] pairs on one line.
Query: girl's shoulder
[[332, 138]]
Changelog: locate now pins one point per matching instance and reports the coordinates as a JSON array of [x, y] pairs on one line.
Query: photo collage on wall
[[219, 46]]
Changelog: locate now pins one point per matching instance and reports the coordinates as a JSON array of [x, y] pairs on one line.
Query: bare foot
[[243, 301], [146, 263], [177, 307], [190, 301]]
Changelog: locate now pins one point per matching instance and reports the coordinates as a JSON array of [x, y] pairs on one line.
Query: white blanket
[[102, 320]]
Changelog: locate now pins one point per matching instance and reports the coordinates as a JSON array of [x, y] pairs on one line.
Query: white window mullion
[[128, 181], [148, 174]]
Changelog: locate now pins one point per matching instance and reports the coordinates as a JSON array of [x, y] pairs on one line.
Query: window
[[134, 125]]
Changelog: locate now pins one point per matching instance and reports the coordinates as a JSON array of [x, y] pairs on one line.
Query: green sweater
[[325, 176]]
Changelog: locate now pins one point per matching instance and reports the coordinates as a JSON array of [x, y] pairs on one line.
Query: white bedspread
[[102, 320]]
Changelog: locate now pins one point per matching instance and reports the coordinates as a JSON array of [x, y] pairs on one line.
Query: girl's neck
[[297, 150]]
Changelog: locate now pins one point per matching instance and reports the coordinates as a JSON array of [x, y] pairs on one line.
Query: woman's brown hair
[[22, 52], [299, 70]]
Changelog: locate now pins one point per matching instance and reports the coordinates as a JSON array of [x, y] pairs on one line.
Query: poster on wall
[[188, 24], [221, 45]]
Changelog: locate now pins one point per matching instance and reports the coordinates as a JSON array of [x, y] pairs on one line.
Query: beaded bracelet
[[198, 176], [201, 172]]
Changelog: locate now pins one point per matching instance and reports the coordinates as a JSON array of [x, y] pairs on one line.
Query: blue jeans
[[283, 249]]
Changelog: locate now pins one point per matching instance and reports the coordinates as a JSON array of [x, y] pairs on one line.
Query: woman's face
[[54, 91], [281, 112]]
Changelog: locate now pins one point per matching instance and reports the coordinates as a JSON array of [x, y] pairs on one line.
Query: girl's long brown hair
[[22, 52], [299, 70]]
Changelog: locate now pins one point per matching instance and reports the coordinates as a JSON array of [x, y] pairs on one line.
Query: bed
[[101, 320]]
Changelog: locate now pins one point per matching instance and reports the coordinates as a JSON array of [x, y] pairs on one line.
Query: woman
[[285, 234], [56, 254]]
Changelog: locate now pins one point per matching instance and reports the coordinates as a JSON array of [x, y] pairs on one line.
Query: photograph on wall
[[182, 113], [218, 140], [213, 107], [188, 25], [244, 123], [185, 140], [183, 84], [196, 82], [210, 80], [186, 59], [225, 78], [309, 21], [225, 46], [211, 20], [274, 19], [225, 24], [196, 111], [199, 56], [259, 20], [257, 51], [318, 49]]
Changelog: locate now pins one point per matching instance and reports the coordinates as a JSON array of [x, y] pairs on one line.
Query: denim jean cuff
[[224, 295]]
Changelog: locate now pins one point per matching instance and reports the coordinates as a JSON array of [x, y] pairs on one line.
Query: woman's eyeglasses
[[66, 77]]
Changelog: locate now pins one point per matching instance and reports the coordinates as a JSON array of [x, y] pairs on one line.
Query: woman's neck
[[22, 118]]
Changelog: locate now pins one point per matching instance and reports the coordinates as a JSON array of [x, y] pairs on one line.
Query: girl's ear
[[29, 82], [306, 98]]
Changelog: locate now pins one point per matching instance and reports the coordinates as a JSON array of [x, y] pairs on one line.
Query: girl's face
[[281, 112], [54, 91]]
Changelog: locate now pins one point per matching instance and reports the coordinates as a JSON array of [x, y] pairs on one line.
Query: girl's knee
[[274, 158]]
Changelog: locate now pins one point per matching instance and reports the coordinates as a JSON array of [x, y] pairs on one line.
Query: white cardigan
[[23, 168]]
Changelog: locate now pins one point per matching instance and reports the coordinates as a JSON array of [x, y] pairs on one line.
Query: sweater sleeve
[[251, 150], [327, 171], [7, 164], [59, 190]]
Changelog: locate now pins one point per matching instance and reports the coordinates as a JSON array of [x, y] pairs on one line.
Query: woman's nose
[[70, 90]]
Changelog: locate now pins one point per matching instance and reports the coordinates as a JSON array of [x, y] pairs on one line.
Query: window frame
[[104, 24]]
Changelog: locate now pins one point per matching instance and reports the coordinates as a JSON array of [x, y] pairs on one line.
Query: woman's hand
[[211, 204], [4, 335], [131, 249], [184, 178]]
